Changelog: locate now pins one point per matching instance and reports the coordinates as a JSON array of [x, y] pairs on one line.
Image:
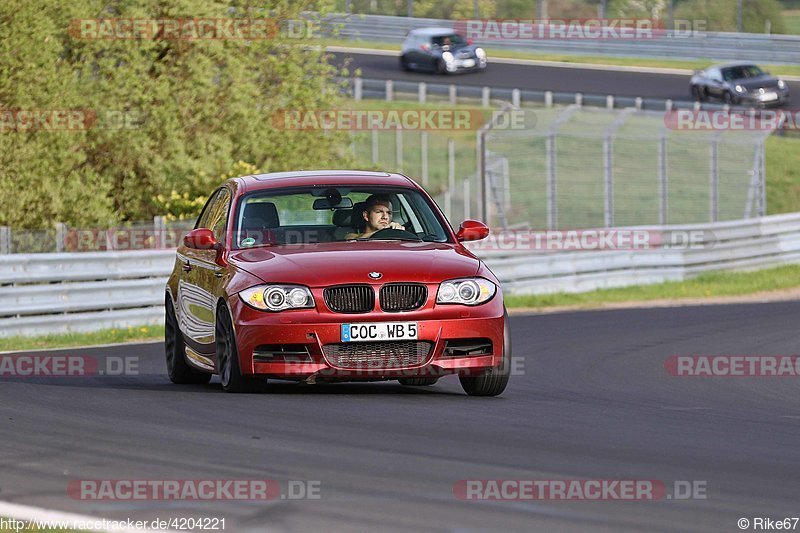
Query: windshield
[[330, 214], [741, 72], [449, 40]]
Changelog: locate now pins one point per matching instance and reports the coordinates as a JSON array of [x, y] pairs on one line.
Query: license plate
[[467, 63], [379, 331], [769, 96]]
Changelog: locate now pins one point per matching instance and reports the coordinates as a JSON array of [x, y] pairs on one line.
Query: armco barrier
[[52, 293], [673, 45]]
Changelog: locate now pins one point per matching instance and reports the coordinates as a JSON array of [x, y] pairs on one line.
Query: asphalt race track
[[591, 400], [538, 78]]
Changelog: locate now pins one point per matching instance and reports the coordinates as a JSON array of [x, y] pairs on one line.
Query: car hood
[[323, 264], [753, 84]]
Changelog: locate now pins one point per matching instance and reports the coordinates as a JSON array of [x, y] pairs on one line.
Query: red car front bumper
[[440, 328]]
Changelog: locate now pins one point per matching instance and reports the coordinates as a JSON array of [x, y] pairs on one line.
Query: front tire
[[492, 381], [404, 64], [697, 93], [230, 373], [178, 369]]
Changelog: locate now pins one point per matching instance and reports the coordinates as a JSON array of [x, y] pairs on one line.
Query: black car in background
[[738, 83], [440, 50]]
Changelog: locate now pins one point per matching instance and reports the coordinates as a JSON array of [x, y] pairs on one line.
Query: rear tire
[[178, 368], [440, 67], [697, 94], [492, 381], [230, 373], [417, 382]]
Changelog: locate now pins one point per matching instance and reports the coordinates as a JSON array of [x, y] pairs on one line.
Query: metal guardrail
[[56, 293], [669, 44]]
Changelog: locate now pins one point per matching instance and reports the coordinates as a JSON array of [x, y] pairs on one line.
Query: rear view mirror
[[325, 203]]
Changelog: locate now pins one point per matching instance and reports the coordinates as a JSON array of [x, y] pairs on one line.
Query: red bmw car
[[320, 276]]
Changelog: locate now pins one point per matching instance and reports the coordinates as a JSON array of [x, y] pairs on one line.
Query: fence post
[[61, 236], [467, 200], [668, 104], [637, 103], [485, 92], [552, 213], [389, 90], [663, 180], [579, 99], [451, 176], [713, 179], [160, 229], [482, 182], [548, 98], [608, 208], [5, 240], [452, 94], [358, 89], [762, 207], [398, 142], [610, 101], [515, 97], [423, 139], [374, 146], [422, 92]]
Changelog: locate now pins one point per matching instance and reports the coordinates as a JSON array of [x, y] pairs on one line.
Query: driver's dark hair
[[375, 199]]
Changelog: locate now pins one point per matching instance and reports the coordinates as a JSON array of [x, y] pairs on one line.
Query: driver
[[378, 215]]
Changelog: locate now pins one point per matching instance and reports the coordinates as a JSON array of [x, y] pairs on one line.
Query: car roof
[[433, 32], [308, 178], [731, 64]]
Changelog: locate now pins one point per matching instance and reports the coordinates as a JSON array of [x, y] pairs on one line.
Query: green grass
[[69, 340], [686, 64], [704, 286], [791, 18], [783, 175]]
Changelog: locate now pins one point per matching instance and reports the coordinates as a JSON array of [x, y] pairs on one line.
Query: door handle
[[186, 267]]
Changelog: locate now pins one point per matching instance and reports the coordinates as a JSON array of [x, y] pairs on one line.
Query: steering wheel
[[389, 233]]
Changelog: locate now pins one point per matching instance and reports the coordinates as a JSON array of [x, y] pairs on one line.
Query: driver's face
[[378, 217]]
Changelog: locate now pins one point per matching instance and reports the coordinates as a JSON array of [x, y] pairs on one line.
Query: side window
[[218, 216]]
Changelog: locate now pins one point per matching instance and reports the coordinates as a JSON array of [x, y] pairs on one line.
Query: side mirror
[[472, 230], [470, 41], [200, 239]]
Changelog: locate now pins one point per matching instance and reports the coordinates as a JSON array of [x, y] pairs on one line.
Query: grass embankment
[[710, 285], [95, 338]]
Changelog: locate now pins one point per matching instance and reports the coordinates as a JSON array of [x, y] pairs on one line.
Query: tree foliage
[[168, 114]]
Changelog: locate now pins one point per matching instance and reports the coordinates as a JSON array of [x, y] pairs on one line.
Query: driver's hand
[[395, 225]]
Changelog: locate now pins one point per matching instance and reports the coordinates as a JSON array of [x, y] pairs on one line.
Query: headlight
[[739, 89], [480, 53], [447, 56], [277, 297], [467, 291], [781, 84]]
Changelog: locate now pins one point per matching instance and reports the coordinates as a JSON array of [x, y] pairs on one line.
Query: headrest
[[341, 217], [259, 215], [357, 221]]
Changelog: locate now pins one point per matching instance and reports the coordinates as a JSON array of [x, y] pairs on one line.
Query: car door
[[203, 279], [716, 87]]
